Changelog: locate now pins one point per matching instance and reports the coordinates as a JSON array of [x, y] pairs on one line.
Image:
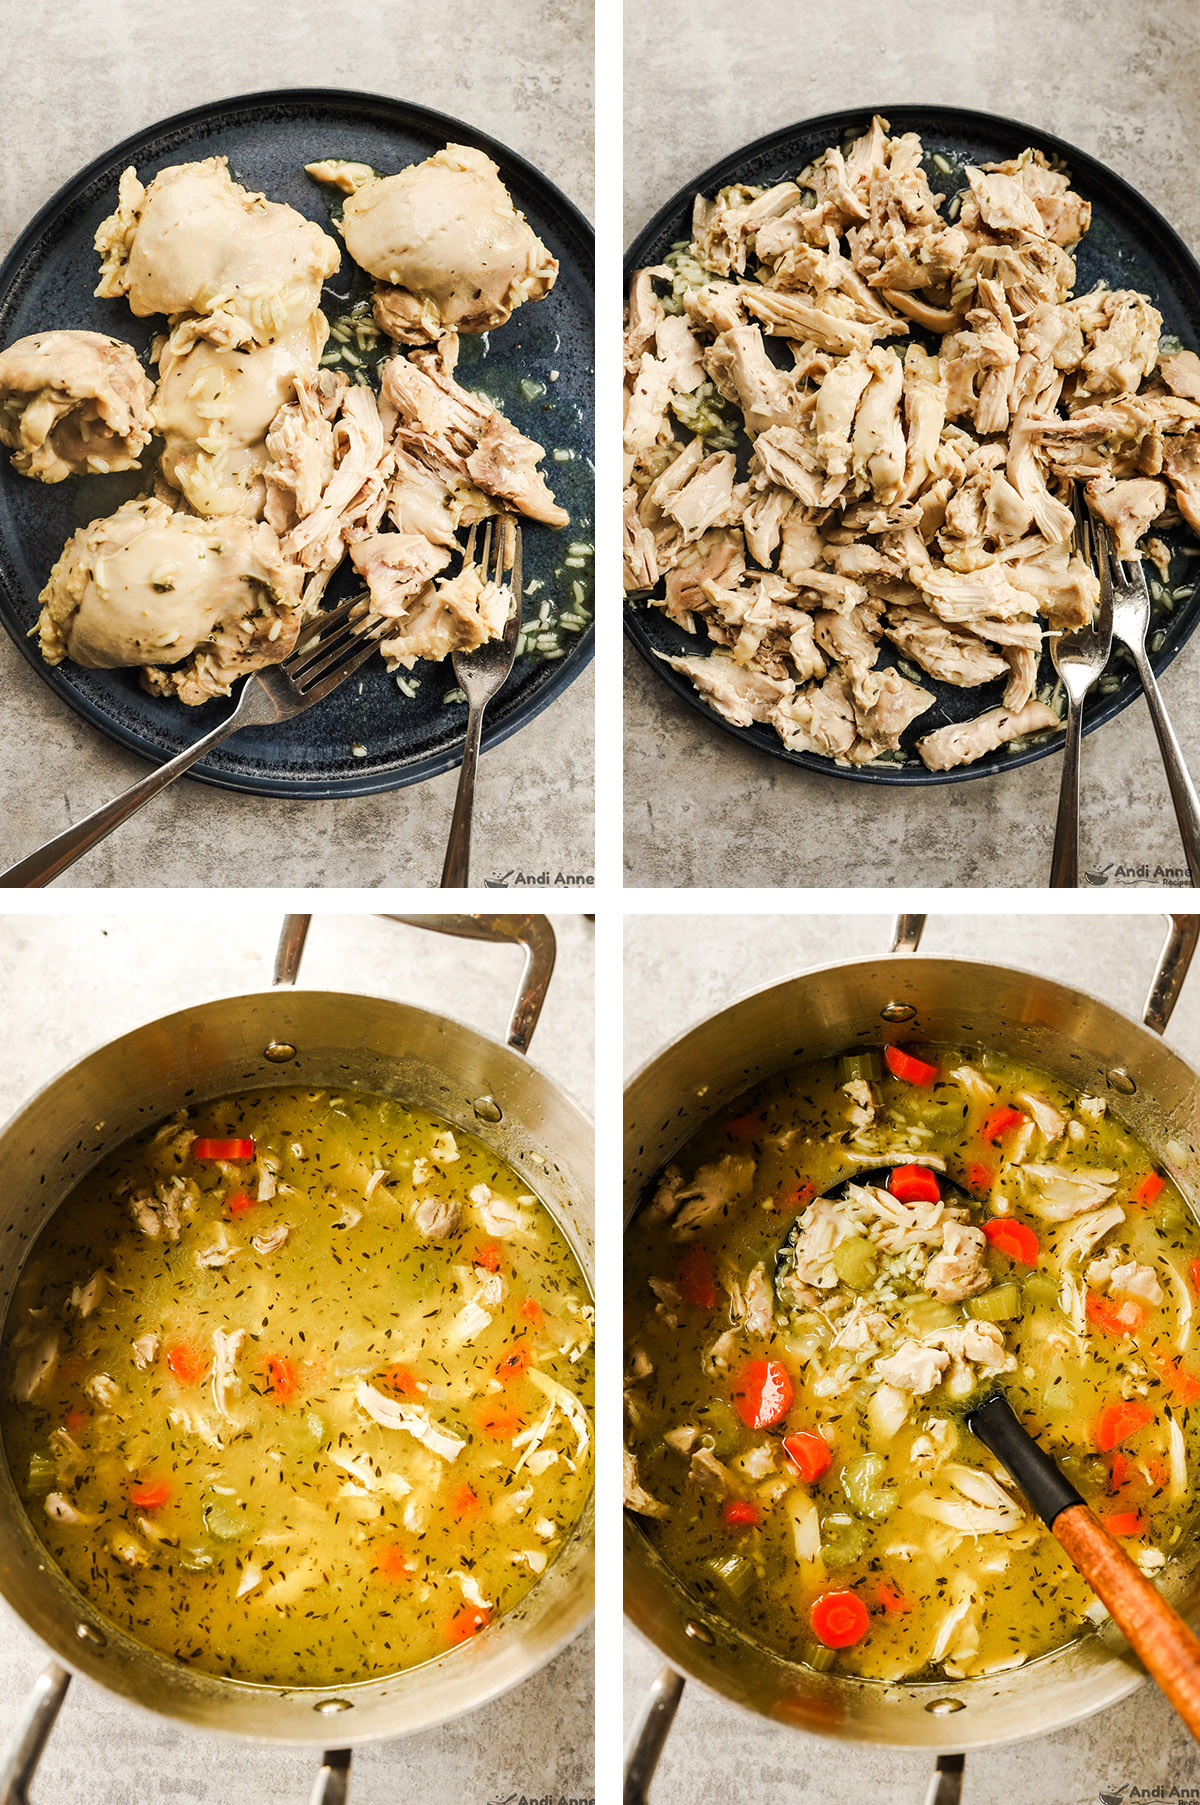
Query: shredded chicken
[[900, 503]]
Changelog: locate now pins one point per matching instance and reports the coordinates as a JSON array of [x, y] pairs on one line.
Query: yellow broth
[[757, 1542], [194, 1352]]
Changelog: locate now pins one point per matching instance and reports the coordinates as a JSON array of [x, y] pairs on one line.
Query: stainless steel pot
[[318, 1038], [828, 1011]]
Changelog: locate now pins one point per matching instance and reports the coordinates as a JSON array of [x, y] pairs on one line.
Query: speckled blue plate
[[1129, 245], [47, 281]]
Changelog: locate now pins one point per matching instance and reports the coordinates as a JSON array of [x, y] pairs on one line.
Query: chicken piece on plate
[[73, 404], [147, 586], [328, 472], [1181, 373], [420, 393], [213, 406], [963, 742], [953, 656], [429, 491], [397, 567], [738, 694], [455, 614], [448, 249], [1130, 508], [1181, 464], [196, 242]]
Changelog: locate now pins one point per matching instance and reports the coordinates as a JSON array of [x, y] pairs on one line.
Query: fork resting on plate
[[332, 646]]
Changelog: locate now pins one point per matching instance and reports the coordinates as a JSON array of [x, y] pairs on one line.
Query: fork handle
[[52, 859], [456, 872], [1183, 790], [1064, 864]]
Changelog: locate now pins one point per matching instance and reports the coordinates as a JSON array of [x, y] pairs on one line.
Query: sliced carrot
[[400, 1379], [488, 1257], [228, 1150], [894, 1602], [1194, 1270], [76, 1419], [533, 1313], [809, 1454], [1183, 1385], [744, 1128], [1002, 1121], [908, 1067], [696, 1277], [467, 1623], [1120, 1421], [1148, 1189], [762, 1393], [1124, 1523], [1120, 1470], [514, 1363], [498, 1423], [283, 1382], [839, 1619], [741, 1514], [1016, 1239], [1117, 1316], [797, 1197], [465, 1502], [391, 1562], [186, 1363], [915, 1184], [241, 1201], [150, 1494], [980, 1178]]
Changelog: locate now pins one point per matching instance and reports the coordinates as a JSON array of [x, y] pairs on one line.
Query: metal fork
[[1131, 622], [331, 649], [1079, 657], [480, 674]]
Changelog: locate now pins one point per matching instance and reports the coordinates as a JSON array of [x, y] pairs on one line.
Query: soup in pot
[[297, 1387], [826, 1277]]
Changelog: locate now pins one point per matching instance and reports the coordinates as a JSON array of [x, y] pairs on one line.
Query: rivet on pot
[[328, 1706], [1120, 1080], [87, 1632], [945, 1707], [488, 1110], [897, 1012], [279, 1052], [699, 1632]]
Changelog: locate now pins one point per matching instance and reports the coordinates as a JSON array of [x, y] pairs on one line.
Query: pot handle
[[332, 1785], [946, 1787], [32, 1733], [650, 1735], [533, 932], [1176, 957], [1172, 969]]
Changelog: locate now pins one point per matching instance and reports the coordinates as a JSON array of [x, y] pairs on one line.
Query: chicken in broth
[[297, 1388], [824, 1278]]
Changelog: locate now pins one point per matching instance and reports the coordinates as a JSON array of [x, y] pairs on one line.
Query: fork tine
[[503, 543], [469, 549], [317, 633], [1083, 525], [334, 677], [487, 548], [334, 656]]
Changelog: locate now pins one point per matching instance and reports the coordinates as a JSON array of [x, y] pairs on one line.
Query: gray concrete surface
[[83, 74], [703, 77], [680, 969], [71, 982]]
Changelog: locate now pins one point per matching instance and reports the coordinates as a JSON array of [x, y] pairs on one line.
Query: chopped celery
[[224, 1520], [927, 1313], [862, 1484], [868, 1065], [1171, 1218], [1058, 1391], [995, 1305], [43, 1470], [855, 1262], [842, 1539], [1040, 1288], [719, 1428], [733, 1573], [819, 1658]]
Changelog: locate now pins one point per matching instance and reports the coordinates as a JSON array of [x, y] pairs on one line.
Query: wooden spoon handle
[[1159, 1636]]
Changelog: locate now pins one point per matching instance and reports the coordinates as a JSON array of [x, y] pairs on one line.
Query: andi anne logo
[[1164, 1790], [546, 1798], [539, 880], [1115, 872]]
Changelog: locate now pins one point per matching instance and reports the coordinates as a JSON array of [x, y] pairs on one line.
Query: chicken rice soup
[[297, 1387], [823, 1279]]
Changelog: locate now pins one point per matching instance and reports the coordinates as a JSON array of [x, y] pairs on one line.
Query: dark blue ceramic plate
[[47, 281], [1129, 245]]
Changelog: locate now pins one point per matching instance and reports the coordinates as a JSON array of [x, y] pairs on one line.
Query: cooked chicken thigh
[[213, 406], [195, 242], [449, 251], [73, 403], [147, 586]]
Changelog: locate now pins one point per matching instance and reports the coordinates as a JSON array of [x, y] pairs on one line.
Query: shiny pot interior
[[242, 1043], [828, 1011]]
